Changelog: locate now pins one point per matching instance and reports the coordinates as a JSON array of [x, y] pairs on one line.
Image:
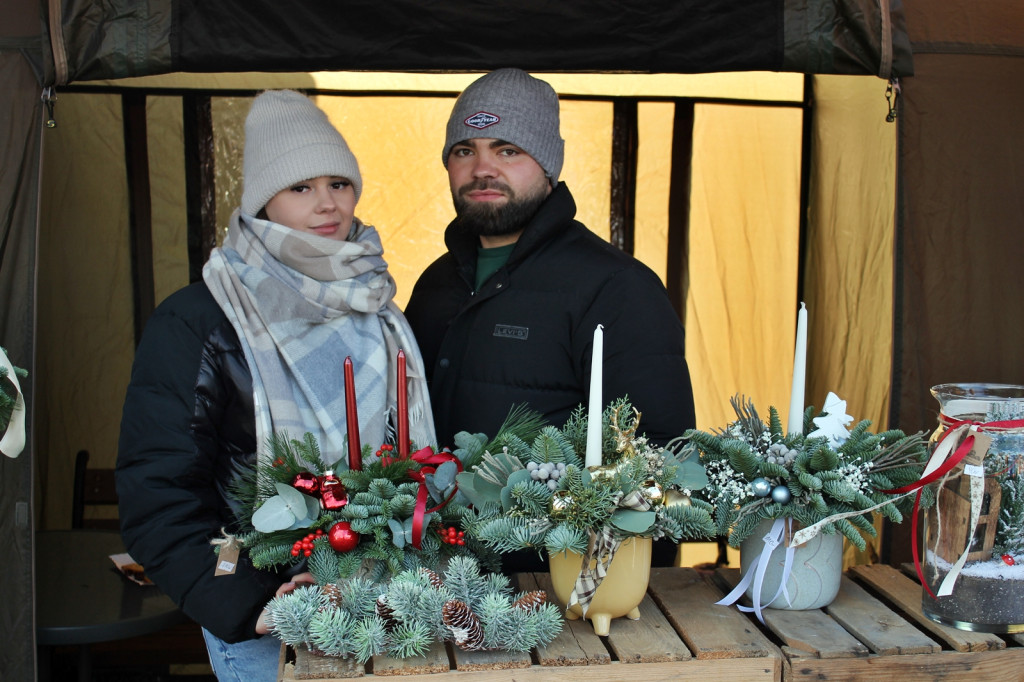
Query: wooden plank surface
[[651, 639], [905, 594], [719, 670], [490, 660], [948, 666], [811, 631], [710, 631], [576, 644], [872, 632], [872, 622], [434, 661]]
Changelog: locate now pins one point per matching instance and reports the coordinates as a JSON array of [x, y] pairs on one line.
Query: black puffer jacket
[[527, 335], [187, 428]]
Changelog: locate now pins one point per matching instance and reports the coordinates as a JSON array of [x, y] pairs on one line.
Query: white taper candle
[[593, 456], [796, 396]]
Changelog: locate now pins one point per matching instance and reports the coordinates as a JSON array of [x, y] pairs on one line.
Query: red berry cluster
[[277, 462], [385, 450], [451, 536], [305, 545]]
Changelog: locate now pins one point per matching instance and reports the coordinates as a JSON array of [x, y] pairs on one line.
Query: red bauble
[[342, 537], [1009, 560], [307, 483], [332, 493]]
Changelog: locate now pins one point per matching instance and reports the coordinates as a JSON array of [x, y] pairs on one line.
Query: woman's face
[[323, 206]]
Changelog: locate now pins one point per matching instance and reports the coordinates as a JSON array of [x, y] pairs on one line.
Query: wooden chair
[[92, 487]]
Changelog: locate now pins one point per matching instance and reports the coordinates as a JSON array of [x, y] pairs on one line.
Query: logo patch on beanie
[[481, 119]]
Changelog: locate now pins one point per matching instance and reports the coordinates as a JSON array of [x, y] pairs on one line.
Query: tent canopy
[[90, 40]]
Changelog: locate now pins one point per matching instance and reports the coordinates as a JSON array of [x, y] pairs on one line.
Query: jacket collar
[[557, 211]]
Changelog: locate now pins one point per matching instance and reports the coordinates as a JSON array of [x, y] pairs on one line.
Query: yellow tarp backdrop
[[742, 255]]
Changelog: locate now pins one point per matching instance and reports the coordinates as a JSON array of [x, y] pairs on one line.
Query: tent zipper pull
[[48, 101], [892, 95]]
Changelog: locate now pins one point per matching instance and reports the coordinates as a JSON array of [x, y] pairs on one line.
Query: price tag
[[974, 470], [227, 559]]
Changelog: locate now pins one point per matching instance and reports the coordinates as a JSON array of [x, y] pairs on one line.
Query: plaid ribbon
[[600, 551]]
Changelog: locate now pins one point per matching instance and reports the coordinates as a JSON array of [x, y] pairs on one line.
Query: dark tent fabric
[[960, 210], [120, 38]]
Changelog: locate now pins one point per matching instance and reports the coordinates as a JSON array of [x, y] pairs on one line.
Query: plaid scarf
[[301, 304]]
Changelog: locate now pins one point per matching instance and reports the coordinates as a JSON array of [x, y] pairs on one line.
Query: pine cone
[[333, 593], [386, 613], [464, 625], [531, 601], [433, 577]]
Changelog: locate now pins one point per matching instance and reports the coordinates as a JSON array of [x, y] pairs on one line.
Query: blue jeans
[[254, 660]]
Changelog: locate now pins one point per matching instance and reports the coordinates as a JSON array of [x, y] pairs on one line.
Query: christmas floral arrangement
[[389, 512], [826, 478], [358, 619], [530, 489]]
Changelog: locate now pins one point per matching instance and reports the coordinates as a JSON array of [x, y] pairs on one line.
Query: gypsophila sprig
[[756, 471]]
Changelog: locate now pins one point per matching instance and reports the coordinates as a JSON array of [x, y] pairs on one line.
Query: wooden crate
[[875, 631], [681, 635]]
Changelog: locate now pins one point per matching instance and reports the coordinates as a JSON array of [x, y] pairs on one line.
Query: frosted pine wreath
[[359, 619]]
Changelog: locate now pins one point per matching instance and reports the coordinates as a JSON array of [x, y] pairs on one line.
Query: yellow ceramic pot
[[619, 594]]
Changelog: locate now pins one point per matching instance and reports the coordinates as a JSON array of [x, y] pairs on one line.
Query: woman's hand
[[296, 581]]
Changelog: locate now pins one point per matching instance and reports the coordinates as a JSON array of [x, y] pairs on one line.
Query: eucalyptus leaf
[[485, 489], [295, 500], [444, 477], [272, 515], [690, 474], [467, 488], [506, 493], [397, 534], [431, 483], [302, 523], [632, 520]]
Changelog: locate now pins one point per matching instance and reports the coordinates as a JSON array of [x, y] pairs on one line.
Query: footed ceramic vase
[[619, 594], [814, 577]]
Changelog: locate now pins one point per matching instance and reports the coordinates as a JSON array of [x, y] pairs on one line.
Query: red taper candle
[[355, 456], [403, 408]]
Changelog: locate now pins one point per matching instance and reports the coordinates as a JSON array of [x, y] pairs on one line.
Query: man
[[507, 316]]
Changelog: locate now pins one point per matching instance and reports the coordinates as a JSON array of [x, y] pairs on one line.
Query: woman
[[256, 349]]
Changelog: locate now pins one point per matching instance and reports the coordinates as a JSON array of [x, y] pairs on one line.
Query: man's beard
[[487, 219]]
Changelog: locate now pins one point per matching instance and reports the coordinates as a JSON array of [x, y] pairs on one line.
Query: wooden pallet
[[681, 635], [873, 631]]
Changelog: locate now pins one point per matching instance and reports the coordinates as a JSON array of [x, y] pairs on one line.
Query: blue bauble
[[761, 487], [781, 494]]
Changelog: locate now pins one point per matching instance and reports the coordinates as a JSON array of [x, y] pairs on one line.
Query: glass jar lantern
[[973, 558]]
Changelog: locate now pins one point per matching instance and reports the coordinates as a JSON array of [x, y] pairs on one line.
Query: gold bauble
[[674, 498], [561, 500]]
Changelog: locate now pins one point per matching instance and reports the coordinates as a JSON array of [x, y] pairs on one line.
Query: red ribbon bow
[[429, 461]]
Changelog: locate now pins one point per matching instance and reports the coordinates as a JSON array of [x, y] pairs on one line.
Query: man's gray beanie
[[289, 139], [510, 105]]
